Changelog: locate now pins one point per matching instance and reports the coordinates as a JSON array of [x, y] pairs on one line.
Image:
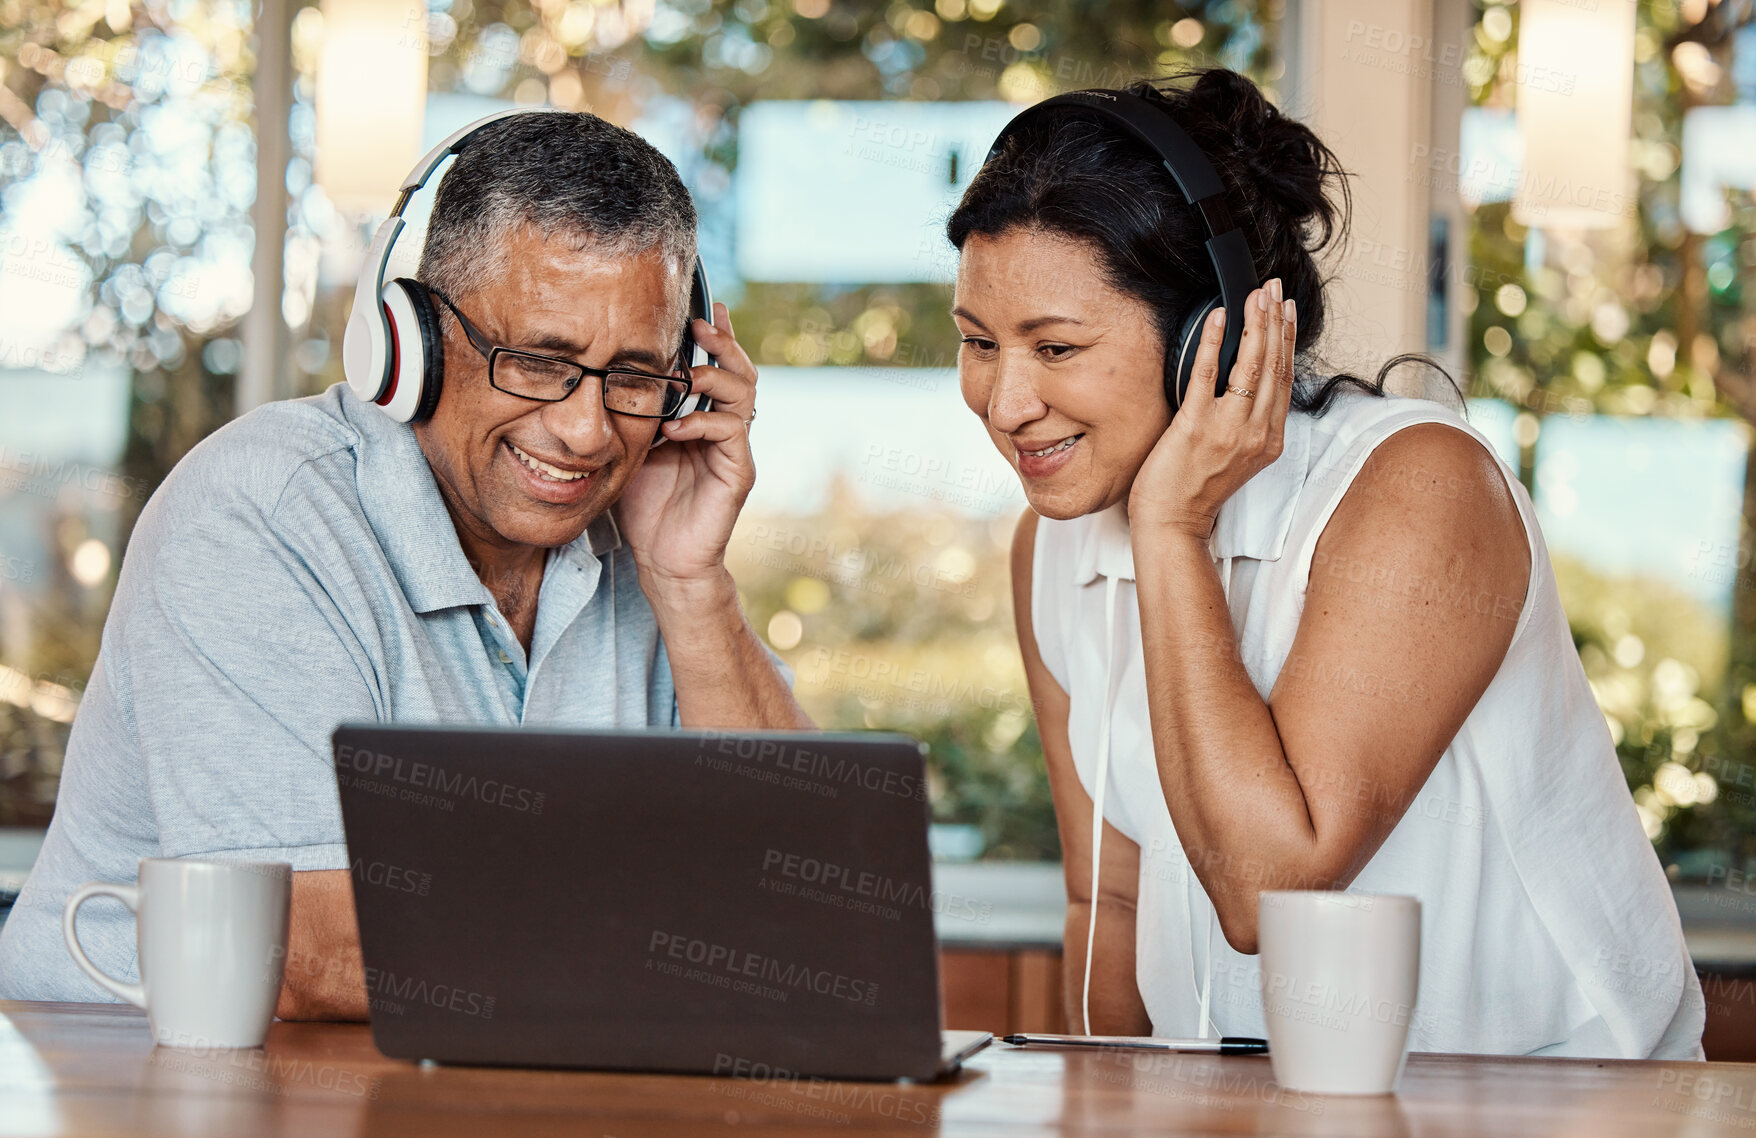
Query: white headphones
[[392, 352]]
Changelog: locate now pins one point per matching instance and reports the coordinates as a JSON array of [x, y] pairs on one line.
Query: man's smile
[[547, 469], [550, 484]]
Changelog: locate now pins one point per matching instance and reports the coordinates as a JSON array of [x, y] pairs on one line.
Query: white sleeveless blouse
[[1547, 925]]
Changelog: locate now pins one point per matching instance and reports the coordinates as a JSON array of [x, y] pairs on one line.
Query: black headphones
[[1201, 188], [392, 352]]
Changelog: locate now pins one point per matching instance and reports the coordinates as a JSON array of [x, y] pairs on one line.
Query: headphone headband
[[367, 355], [1194, 174], [1201, 187], [390, 355], [451, 144]]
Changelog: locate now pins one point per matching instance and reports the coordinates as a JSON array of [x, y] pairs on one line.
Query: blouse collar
[[1253, 522]]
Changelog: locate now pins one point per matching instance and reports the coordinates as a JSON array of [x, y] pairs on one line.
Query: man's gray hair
[[567, 174]]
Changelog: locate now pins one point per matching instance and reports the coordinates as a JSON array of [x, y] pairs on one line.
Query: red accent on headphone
[[389, 392]]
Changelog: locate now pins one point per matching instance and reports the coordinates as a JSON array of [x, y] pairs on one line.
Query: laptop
[[711, 902]]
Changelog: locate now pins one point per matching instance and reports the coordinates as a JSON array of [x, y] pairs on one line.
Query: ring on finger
[[1244, 391]]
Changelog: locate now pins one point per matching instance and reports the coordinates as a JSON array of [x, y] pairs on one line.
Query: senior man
[[506, 561]]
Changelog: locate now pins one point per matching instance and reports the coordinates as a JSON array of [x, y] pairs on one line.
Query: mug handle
[[129, 895]]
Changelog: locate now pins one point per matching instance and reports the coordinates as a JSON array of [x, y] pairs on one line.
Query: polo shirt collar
[[401, 501], [600, 537], [1253, 522]]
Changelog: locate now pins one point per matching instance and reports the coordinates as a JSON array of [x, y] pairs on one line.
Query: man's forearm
[[723, 676], [325, 978]]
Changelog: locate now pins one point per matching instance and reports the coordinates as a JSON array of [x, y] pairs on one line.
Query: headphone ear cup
[[700, 305], [408, 362], [432, 341], [1180, 367]]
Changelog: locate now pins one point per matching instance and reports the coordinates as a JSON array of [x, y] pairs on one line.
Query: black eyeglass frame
[[490, 350]]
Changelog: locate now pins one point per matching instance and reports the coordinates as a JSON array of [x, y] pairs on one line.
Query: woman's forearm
[[1116, 1006], [1237, 804]]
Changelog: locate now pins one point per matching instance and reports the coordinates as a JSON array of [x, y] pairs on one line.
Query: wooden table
[[91, 1069]]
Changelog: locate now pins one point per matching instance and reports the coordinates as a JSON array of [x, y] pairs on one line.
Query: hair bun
[[1272, 159]]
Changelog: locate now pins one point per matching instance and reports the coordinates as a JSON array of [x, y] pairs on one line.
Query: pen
[[1225, 1045]]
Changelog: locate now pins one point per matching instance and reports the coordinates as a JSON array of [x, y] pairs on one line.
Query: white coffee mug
[[1339, 977], [213, 941]]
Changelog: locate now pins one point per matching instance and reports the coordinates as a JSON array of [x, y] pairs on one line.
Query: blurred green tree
[[140, 115], [126, 172], [1652, 321]]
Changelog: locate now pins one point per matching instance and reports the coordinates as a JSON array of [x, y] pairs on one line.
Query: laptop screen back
[[668, 901]]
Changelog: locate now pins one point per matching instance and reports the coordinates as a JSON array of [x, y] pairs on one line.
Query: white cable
[[1103, 778], [1205, 1025]]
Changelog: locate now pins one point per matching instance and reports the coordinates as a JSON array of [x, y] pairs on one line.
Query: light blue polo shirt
[[297, 570]]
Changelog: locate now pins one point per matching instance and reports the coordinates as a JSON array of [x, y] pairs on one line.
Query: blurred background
[[1554, 199]]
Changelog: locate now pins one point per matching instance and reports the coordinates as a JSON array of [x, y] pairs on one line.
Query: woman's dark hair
[[1072, 173]]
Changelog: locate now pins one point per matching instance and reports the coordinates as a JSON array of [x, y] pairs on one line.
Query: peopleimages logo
[[44, 475], [664, 946], [843, 669], [815, 765], [857, 564], [387, 774], [887, 895], [880, 1100], [395, 878], [256, 1070], [415, 990]]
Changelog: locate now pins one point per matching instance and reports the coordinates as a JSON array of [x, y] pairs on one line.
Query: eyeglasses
[[550, 379]]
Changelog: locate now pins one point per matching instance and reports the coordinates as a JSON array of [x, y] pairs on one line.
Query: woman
[[1310, 629]]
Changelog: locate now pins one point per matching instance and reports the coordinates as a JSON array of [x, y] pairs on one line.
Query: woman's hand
[[1215, 444], [678, 511]]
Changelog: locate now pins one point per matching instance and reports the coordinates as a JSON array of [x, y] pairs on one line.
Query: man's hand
[[677, 513], [677, 516]]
